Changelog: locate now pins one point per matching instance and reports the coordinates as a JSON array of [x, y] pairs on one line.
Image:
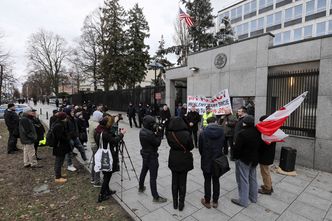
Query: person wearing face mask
[[246, 155]]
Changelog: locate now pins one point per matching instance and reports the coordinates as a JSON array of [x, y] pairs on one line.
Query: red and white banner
[[220, 103], [270, 126]]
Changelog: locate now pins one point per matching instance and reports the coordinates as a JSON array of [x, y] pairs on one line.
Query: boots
[[102, 198], [182, 194], [175, 203]]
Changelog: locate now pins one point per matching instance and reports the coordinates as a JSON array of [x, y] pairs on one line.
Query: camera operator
[[150, 141]]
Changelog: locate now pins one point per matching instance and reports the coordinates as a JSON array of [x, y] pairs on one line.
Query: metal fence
[[119, 99], [285, 86]]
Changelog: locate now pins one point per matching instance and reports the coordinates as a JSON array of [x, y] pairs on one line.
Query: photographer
[[150, 141], [165, 116]]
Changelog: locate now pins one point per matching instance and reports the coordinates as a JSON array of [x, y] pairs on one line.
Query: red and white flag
[[184, 16], [270, 126]]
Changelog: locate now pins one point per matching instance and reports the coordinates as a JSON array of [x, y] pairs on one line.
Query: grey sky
[[20, 18]]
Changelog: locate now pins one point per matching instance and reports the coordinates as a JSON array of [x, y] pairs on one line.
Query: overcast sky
[[20, 18]]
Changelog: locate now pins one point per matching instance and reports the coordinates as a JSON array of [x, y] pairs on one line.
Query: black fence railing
[[119, 99], [283, 87]]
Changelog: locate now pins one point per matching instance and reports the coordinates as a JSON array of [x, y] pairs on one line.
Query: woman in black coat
[[266, 158], [180, 159]]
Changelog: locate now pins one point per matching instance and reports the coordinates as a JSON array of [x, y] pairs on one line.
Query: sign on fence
[[220, 103]]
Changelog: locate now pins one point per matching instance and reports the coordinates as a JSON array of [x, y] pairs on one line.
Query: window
[[233, 13], [277, 39], [330, 27], [245, 28], [277, 18], [331, 4], [253, 6], [286, 37], [321, 5], [261, 4], [246, 8], [239, 11], [268, 3], [320, 29], [297, 34], [288, 14], [253, 25], [307, 31], [279, 1], [269, 20], [260, 23], [310, 7], [298, 11]]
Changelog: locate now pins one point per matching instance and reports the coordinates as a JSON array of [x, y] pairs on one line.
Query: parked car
[[19, 108]]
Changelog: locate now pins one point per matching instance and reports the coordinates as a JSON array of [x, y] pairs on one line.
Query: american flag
[[184, 16]]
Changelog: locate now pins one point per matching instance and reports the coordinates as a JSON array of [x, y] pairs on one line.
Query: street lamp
[[155, 65]]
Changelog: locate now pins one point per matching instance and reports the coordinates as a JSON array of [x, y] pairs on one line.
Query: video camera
[[158, 126]]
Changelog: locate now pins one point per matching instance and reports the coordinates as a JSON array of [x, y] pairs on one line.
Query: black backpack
[[50, 138]]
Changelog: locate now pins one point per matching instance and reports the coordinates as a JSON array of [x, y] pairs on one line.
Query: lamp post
[[1, 79], [155, 65]]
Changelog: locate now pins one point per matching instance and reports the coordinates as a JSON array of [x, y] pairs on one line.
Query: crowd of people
[[84, 127]]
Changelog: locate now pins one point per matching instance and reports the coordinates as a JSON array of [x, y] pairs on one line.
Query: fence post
[[40, 111], [46, 115]]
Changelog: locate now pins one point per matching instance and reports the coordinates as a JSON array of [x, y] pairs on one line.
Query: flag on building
[[270, 126], [184, 16]]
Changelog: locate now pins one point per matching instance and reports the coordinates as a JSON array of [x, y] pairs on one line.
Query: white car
[[19, 108]]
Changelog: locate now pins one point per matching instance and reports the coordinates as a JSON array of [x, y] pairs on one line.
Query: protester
[[81, 126], [180, 159], [178, 110], [211, 140], [28, 137], [110, 142], [131, 114], [141, 114], [150, 141], [165, 116], [266, 158], [40, 130], [12, 123], [183, 111], [228, 122], [241, 113], [148, 110], [57, 103], [53, 118], [207, 114], [62, 146], [192, 119], [246, 159]]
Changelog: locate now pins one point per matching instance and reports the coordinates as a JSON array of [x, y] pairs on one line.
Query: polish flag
[[270, 126]]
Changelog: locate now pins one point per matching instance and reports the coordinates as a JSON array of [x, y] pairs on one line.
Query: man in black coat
[[192, 119], [141, 114], [131, 113], [165, 116], [246, 159], [62, 146], [12, 122], [211, 140], [150, 141], [266, 158], [241, 113]]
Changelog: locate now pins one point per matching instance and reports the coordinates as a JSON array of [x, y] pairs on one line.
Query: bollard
[[46, 115], [40, 110]]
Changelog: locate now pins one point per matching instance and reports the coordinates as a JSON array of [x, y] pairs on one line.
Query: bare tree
[[47, 52]]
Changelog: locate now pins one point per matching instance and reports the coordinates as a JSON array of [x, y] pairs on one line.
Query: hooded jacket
[[11, 120], [148, 139], [179, 139], [211, 141], [27, 130], [61, 136]]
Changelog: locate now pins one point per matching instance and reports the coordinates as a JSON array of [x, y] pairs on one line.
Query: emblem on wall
[[220, 60]]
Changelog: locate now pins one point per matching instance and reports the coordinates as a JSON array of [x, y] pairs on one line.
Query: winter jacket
[[211, 140], [148, 139], [61, 136], [228, 123], [141, 111], [267, 153], [193, 117], [165, 115], [40, 130], [81, 128], [72, 127], [178, 138], [11, 120], [131, 111], [247, 144], [183, 112], [238, 128], [27, 130]]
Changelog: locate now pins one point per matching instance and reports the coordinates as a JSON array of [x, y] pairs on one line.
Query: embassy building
[[264, 74]]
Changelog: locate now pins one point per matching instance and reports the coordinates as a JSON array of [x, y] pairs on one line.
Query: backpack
[[50, 138]]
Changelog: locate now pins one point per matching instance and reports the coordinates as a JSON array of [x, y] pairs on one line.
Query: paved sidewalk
[[307, 196]]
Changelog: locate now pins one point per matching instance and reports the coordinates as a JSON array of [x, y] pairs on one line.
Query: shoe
[[60, 180], [102, 198], [11, 152], [263, 187], [37, 166], [27, 166], [97, 185], [175, 204], [265, 191], [141, 189], [71, 168], [206, 204], [214, 205], [92, 181], [159, 199], [18, 150], [181, 206], [64, 175], [237, 202], [38, 158], [111, 192]]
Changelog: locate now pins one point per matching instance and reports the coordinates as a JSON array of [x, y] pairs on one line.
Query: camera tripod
[[122, 146]]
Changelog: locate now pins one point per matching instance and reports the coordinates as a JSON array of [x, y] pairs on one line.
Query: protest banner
[[220, 103]]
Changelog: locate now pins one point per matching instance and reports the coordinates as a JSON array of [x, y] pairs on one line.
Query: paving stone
[[195, 198], [190, 218], [283, 195], [307, 211], [314, 201], [210, 214], [296, 181], [241, 217], [187, 211], [228, 183], [259, 213], [160, 215], [290, 187], [319, 192], [329, 215], [287, 216], [273, 204], [227, 207]]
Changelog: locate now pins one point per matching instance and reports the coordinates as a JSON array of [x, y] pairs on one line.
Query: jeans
[[246, 182], [207, 187], [12, 142], [57, 166], [150, 163], [105, 188], [75, 142], [179, 185]]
